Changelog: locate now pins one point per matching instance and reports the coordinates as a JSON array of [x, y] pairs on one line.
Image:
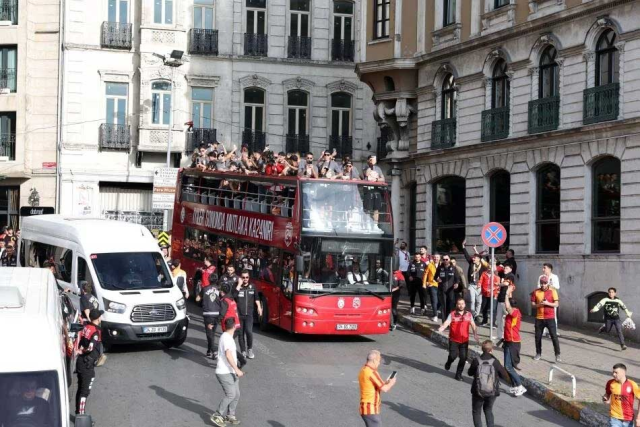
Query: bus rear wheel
[[264, 320]]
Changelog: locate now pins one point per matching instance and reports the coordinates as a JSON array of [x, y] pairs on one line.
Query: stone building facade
[[29, 45], [256, 72], [521, 112]]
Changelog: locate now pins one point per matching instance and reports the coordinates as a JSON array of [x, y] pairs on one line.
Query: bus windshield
[[131, 270], [336, 266], [30, 399], [339, 207]]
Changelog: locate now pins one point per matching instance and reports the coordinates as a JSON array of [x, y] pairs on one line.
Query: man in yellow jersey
[[370, 387], [619, 394]]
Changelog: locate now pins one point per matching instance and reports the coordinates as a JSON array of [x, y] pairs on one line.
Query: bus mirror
[[300, 264]]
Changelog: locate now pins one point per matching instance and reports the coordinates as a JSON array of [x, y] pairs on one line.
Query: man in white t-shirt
[[228, 375]]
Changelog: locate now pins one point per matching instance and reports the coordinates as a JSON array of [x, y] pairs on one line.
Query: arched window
[[500, 207], [606, 205], [448, 98], [340, 114], [548, 209], [500, 87], [449, 210], [160, 103], [297, 104], [607, 60], [548, 85]]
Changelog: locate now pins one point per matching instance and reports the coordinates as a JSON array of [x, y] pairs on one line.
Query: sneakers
[[519, 391], [537, 357], [513, 390], [209, 354], [458, 377], [558, 359], [250, 354], [101, 360], [215, 355], [412, 311], [393, 327], [424, 311], [230, 419], [447, 366], [434, 319], [602, 329], [244, 354], [623, 347], [218, 419]]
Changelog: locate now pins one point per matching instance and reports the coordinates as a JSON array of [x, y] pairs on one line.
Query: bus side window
[[288, 274]]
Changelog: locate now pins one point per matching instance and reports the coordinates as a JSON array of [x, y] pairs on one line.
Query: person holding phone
[[370, 387]]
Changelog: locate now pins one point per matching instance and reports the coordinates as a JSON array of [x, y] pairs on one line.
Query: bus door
[[286, 291]]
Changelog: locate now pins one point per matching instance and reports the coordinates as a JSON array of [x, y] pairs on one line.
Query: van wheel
[[264, 320], [175, 343]]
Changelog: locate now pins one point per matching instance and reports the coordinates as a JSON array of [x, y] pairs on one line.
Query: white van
[[33, 368], [122, 262]]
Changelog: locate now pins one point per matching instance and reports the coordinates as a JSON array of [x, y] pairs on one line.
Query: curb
[[535, 389]]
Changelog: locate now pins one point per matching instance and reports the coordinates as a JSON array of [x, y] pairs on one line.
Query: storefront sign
[[34, 211]]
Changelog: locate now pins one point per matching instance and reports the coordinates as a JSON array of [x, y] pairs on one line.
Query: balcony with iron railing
[[199, 136], [343, 50], [256, 44], [443, 133], [9, 11], [381, 149], [203, 42], [297, 143], [8, 79], [544, 114], [342, 144], [255, 140], [8, 145], [299, 47], [115, 137], [495, 124], [116, 35], [601, 103]]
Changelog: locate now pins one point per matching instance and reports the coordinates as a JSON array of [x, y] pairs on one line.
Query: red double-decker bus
[[319, 251]]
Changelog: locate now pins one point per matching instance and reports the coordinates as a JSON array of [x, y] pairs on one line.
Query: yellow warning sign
[[163, 238]]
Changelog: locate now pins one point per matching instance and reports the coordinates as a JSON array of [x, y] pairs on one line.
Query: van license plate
[[347, 327], [154, 329]]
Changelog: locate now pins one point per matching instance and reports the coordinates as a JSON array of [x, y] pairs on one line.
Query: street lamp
[[173, 60]]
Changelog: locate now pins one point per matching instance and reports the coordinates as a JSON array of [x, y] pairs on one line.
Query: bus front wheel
[[264, 320]]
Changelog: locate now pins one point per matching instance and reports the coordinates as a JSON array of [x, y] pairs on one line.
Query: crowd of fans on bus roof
[[214, 157]]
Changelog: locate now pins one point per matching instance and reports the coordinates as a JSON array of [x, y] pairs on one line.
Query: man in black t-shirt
[[245, 300], [416, 273], [88, 302], [446, 276]]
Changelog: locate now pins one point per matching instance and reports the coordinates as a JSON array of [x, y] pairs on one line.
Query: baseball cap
[[544, 280], [95, 314]]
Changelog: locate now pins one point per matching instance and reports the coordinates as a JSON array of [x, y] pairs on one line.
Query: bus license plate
[[154, 329], [347, 327]]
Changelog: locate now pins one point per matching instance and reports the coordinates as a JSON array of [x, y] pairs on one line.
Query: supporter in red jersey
[[511, 345], [459, 320], [209, 269], [619, 394]]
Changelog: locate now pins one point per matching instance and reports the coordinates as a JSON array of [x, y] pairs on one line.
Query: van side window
[[62, 258], [83, 272]]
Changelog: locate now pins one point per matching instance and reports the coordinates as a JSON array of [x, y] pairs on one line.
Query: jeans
[[475, 300], [246, 329], [415, 287], [372, 420], [501, 311], [231, 387], [480, 404], [609, 323], [395, 299], [614, 422], [442, 299], [508, 365], [433, 296], [550, 324], [458, 350]]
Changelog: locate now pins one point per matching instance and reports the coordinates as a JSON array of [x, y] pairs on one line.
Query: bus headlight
[[114, 307], [181, 304]]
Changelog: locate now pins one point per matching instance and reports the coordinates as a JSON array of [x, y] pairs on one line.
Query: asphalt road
[[293, 381]]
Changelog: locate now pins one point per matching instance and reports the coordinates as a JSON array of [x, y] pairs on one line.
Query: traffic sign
[[164, 187], [163, 238], [494, 235]]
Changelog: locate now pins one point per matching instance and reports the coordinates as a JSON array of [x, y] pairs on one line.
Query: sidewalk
[[587, 355]]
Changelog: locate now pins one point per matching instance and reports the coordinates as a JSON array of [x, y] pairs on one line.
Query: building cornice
[[385, 65], [398, 94]]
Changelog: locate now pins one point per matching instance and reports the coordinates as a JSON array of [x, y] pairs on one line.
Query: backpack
[[485, 379]]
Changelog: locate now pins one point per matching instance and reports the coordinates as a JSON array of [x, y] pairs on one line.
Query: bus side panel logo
[[288, 234], [356, 302], [341, 303], [183, 215]]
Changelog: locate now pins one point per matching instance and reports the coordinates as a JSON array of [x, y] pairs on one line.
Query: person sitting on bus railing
[[357, 276]]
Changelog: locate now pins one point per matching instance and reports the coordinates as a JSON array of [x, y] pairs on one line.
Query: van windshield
[[30, 399], [131, 270]]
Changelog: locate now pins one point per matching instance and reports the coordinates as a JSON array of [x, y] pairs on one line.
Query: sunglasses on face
[[245, 277], [446, 259]]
